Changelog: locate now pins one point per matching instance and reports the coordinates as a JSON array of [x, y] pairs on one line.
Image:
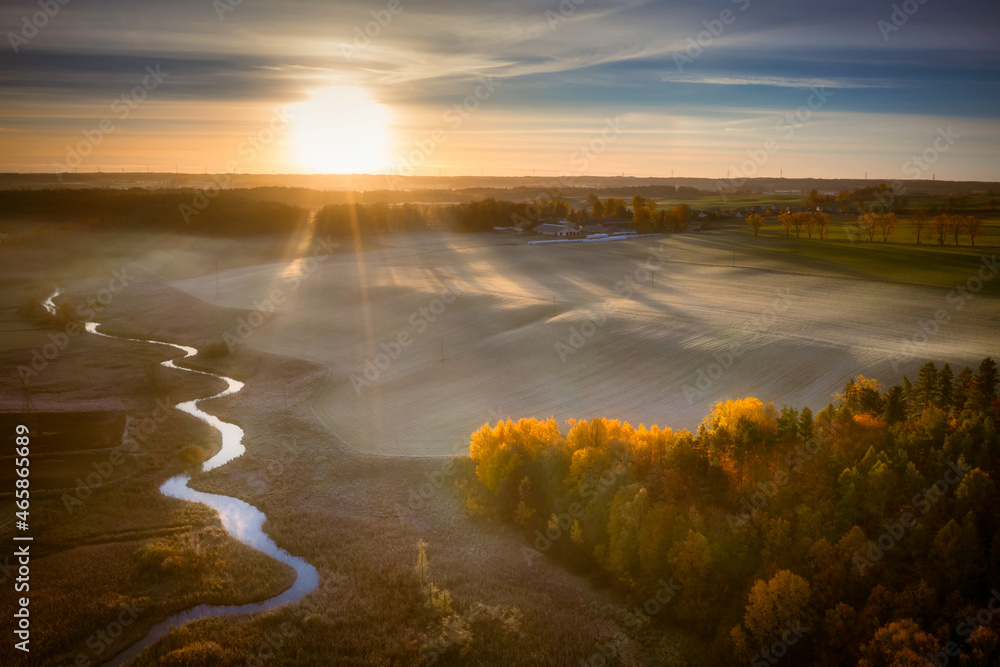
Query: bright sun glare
[[342, 131]]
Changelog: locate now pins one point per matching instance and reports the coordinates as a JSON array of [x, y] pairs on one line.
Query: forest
[[228, 213], [864, 534]]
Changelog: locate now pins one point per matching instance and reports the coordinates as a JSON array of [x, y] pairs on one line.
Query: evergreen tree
[[895, 406], [962, 388], [805, 423], [926, 389], [985, 384], [946, 389]]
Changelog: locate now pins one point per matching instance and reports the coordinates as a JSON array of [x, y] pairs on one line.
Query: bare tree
[[920, 217]]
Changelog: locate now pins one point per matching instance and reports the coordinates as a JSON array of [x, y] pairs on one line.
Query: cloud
[[776, 81]]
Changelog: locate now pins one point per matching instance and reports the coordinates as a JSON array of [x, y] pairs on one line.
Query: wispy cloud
[[775, 81]]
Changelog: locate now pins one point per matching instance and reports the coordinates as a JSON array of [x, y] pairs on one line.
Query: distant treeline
[[319, 198], [480, 216], [867, 534], [227, 213]]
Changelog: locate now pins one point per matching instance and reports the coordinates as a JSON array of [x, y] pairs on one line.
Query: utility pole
[[218, 292], [442, 349]]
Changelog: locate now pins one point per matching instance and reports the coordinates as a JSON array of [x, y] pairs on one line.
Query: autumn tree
[[643, 213], [822, 221], [862, 394], [756, 221], [740, 430], [900, 643], [956, 224], [809, 222], [940, 226], [787, 222], [799, 220], [774, 604], [974, 226], [886, 225], [679, 216], [596, 207], [615, 208], [870, 223]]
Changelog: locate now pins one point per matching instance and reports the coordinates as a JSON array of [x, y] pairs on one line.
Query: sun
[[341, 130]]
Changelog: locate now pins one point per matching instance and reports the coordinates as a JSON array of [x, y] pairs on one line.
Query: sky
[[559, 87]]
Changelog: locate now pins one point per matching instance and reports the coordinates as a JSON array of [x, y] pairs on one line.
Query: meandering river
[[241, 520]]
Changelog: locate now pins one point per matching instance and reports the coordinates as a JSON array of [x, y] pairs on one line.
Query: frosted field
[[659, 354]]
